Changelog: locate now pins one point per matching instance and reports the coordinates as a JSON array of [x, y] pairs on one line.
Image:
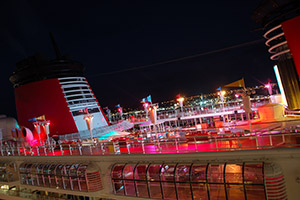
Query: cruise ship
[[64, 147]]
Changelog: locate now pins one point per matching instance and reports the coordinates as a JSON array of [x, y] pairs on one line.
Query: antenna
[[56, 49]]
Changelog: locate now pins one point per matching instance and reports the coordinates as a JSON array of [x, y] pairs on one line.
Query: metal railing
[[188, 144], [292, 112], [191, 111]]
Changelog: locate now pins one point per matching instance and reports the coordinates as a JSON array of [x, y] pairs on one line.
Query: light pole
[[47, 130], [180, 100], [153, 117], [89, 122], [236, 98], [146, 106], [201, 103], [38, 130], [269, 87], [41, 121], [222, 93], [108, 111], [247, 108], [120, 110]]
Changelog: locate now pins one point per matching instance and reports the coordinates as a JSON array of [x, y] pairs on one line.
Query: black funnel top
[[37, 68]]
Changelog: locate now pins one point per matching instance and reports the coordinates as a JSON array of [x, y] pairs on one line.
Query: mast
[[56, 49]]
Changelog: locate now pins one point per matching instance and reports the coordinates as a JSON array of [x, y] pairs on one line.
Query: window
[[90, 110], [140, 176], [182, 181], [189, 181], [63, 176]]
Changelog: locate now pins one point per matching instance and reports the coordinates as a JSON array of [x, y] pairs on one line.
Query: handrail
[[191, 144]]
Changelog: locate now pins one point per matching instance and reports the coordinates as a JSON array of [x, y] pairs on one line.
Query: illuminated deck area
[[278, 137], [258, 165]]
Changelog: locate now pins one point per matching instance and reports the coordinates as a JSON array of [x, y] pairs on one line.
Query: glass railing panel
[[75, 183], [234, 173], [169, 190], [168, 172], [128, 171], [155, 190], [200, 191], [23, 178], [140, 172], [215, 173], [118, 186], [216, 191], [129, 188], [142, 190], [184, 191], [117, 171], [154, 172], [198, 173], [67, 183], [235, 192], [60, 183], [253, 174], [255, 192], [183, 173]]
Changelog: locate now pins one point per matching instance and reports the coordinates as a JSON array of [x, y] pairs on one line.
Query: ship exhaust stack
[[282, 38], [57, 89]]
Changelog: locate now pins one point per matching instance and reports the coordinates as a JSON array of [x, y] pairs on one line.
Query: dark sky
[[108, 36]]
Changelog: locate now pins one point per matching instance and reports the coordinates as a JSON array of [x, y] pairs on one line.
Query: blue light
[[107, 135]]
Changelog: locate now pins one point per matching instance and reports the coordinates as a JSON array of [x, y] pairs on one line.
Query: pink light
[[267, 86], [236, 95]]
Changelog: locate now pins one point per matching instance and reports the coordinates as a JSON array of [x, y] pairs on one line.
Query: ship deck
[[280, 134]]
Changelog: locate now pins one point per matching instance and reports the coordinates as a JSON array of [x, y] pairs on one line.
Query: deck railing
[[187, 144]]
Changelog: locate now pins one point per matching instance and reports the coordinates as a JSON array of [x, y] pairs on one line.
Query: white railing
[[292, 112], [173, 114]]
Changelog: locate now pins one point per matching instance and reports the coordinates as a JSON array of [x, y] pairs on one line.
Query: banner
[[147, 99], [239, 83], [41, 118]]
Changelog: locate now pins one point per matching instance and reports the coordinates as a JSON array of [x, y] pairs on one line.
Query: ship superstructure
[[262, 163], [280, 21]]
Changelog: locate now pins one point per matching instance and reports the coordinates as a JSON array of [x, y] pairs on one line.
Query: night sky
[[114, 36]]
